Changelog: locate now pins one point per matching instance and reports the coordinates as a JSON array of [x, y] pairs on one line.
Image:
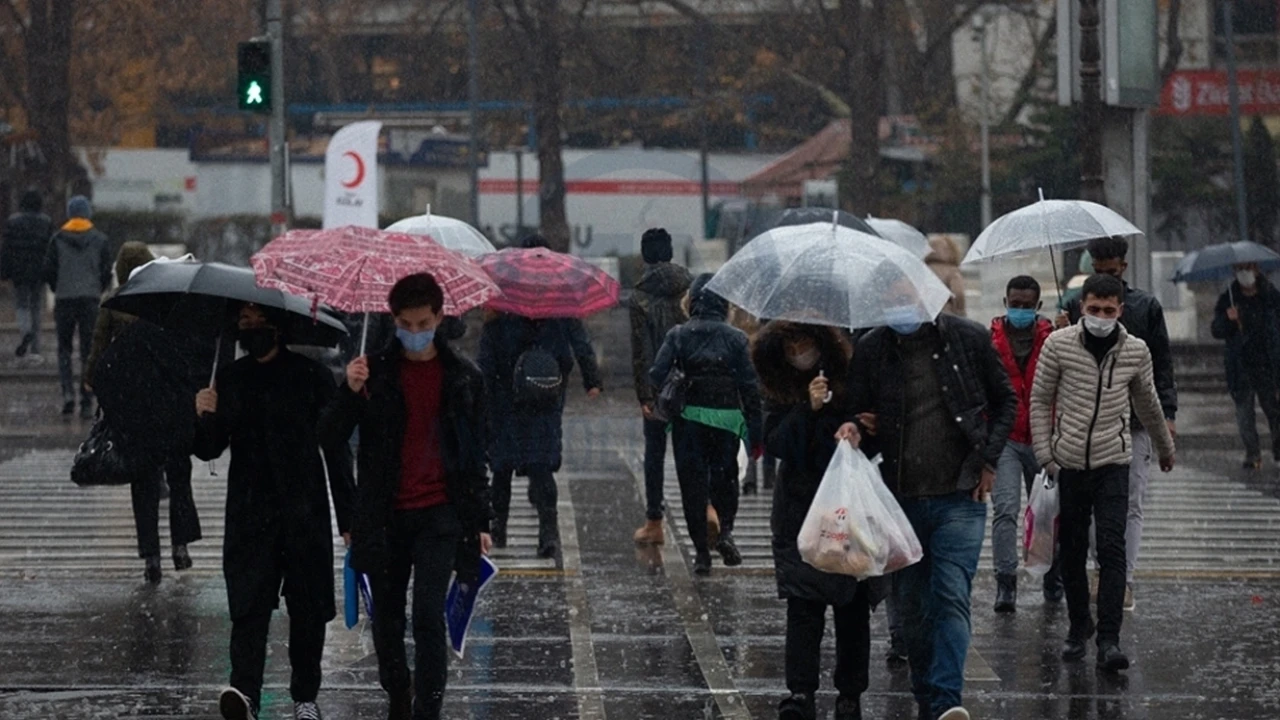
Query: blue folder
[[460, 605], [355, 586]]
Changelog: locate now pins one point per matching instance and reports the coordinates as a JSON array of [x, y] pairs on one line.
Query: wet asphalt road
[[612, 631]]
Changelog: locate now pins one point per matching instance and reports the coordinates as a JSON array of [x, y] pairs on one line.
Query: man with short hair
[[1247, 317], [26, 241], [656, 307], [1144, 319], [1090, 378], [78, 270], [1018, 336], [423, 506]]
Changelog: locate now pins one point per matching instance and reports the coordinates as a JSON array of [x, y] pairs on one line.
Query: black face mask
[[258, 342]]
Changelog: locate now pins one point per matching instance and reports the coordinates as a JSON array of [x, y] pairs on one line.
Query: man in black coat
[[26, 241], [935, 399], [423, 496], [266, 408], [1247, 317]]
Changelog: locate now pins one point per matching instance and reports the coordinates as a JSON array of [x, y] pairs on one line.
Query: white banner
[[351, 176]]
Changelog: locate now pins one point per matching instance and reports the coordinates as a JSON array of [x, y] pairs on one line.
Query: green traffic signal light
[[254, 80]]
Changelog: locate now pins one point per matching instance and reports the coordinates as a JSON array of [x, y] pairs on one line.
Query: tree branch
[[965, 10], [1029, 79], [1173, 55], [18, 20]]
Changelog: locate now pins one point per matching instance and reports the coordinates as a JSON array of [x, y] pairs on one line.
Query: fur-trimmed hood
[[779, 381]]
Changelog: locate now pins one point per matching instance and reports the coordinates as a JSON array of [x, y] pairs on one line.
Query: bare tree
[[38, 74]]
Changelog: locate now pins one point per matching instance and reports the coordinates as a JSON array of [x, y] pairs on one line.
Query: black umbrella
[[807, 215], [195, 295]]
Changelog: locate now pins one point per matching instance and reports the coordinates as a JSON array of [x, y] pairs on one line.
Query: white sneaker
[[306, 711], [235, 705], [955, 713]]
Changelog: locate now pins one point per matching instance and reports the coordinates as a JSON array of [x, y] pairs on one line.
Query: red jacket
[[1022, 380]]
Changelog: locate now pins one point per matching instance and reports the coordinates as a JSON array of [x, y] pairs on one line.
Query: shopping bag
[[355, 586], [1040, 525], [850, 529], [460, 604]]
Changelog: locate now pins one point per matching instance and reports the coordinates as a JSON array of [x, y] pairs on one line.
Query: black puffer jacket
[[26, 242], [972, 377], [655, 309], [379, 412], [1143, 317], [715, 358]]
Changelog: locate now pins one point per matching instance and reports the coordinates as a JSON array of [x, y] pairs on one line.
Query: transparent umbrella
[[1047, 225], [453, 234], [900, 233], [827, 274]]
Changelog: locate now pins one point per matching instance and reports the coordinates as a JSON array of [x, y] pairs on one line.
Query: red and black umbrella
[[540, 283]]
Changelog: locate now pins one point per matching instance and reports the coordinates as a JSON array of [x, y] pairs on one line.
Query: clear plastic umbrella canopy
[[454, 234], [900, 233], [830, 275], [1048, 224]]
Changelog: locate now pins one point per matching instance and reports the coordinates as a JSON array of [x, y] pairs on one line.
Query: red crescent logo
[[359, 178]]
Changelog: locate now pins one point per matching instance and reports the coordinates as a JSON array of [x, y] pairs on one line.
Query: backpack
[[538, 381]]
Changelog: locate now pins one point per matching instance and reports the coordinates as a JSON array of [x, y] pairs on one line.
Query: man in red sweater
[[423, 503], [1018, 336]]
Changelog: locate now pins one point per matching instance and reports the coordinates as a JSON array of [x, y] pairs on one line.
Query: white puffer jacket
[[1080, 408]]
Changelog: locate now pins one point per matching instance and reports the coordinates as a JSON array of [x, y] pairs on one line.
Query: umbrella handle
[[213, 379], [364, 333]]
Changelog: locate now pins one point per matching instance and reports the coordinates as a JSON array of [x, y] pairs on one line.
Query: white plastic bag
[[1040, 525], [850, 529]]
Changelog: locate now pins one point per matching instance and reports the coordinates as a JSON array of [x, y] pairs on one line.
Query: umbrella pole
[[364, 333], [213, 378], [1057, 283]]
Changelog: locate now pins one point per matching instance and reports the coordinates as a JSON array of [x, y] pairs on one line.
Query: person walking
[[944, 260], [279, 535], [655, 309], [1090, 378], [934, 399], [148, 488], [423, 498], [526, 365], [1143, 319], [78, 270], [803, 372], [26, 242], [722, 408], [1018, 337], [1247, 317]]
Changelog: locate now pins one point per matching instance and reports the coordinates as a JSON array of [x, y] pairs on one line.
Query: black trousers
[[655, 458], [707, 466], [1100, 495], [74, 316], [424, 543], [543, 493], [1260, 385], [184, 520], [249, 655], [806, 624]]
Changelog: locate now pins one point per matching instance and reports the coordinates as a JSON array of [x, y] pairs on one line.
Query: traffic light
[[253, 86]]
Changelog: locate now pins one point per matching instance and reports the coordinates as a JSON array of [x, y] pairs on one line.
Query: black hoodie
[[655, 309]]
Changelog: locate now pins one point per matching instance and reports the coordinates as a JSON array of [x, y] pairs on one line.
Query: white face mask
[[1246, 278], [1099, 327], [805, 360]]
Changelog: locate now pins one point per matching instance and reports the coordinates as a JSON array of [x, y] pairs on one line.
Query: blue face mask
[[904, 319], [415, 342], [1021, 317]]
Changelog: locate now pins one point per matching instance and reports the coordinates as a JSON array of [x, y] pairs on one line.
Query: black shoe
[[69, 408], [548, 534], [153, 574], [181, 558], [499, 533], [848, 708], [234, 705], [702, 563], [798, 707], [1006, 594], [24, 345], [748, 488], [1075, 646], [1111, 659], [401, 707], [896, 658], [1252, 463], [728, 550]]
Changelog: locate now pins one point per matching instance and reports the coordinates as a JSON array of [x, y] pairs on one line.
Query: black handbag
[[101, 460], [670, 401]]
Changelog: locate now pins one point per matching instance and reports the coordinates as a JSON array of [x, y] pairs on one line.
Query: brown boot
[[713, 526], [650, 533]]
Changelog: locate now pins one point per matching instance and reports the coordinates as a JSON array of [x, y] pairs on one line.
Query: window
[[1256, 26]]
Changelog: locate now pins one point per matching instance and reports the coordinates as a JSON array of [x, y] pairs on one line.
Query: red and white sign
[[351, 176], [1206, 92]]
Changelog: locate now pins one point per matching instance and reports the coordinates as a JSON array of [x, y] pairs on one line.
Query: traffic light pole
[[278, 141]]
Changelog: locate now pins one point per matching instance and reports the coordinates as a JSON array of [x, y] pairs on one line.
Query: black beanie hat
[[655, 246]]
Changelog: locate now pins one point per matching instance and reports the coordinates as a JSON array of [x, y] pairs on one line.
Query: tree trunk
[[48, 57], [860, 31], [547, 98]]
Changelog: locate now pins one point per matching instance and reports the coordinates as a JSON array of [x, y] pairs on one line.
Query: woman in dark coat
[[525, 439], [798, 366]]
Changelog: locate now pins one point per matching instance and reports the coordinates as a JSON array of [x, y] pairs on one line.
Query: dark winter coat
[[379, 412], [269, 415], [715, 359], [977, 389], [1255, 347], [111, 323], [521, 437], [803, 441], [1143, 317], [655, 309], [26, 242], [78, 263]]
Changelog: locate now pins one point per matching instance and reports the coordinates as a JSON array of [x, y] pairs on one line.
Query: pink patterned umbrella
[[540, 283], [352, 268]]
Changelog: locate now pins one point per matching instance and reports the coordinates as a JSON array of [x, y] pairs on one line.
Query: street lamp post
[[473, 99], [278, 142], [1237, 143], [980, 27], [1091, 182]]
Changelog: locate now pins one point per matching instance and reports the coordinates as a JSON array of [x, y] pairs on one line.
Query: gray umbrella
[[1217, 262]]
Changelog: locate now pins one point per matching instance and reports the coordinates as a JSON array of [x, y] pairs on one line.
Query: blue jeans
[[933, 595], [1017, 468]]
